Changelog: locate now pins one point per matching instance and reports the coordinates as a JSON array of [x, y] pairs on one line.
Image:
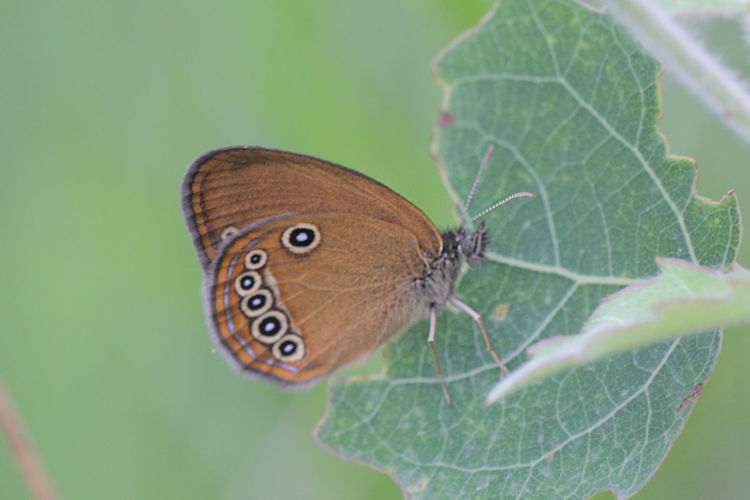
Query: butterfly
[[309, 266]]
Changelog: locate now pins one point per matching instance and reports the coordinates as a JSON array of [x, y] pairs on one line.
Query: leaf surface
[[684, 299], [570, 103]]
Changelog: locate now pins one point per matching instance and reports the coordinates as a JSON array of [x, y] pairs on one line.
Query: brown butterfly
[[309, 265]]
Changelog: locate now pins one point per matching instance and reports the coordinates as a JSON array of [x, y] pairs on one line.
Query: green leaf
[[570, 103], [683, 299]]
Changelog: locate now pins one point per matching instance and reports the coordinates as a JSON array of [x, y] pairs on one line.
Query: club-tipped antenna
[[487, 210], [477, 179]]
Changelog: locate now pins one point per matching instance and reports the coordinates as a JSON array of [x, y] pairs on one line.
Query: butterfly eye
[[255, 259], [270, 327], [300, 238], [257, 303], [247, 282], [289, 348]]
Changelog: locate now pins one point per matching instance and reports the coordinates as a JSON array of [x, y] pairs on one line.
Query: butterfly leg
[[476, 317], [431, 340]]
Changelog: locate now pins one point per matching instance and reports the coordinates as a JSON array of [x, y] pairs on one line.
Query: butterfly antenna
[[506, 200], [482, 168]]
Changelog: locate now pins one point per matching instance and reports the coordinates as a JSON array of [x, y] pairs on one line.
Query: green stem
[[685, 57]]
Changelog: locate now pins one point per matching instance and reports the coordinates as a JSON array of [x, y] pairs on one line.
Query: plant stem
[[21, 449], [690, 61]]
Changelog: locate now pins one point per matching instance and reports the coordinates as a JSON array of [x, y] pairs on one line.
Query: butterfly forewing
[[227, 190]]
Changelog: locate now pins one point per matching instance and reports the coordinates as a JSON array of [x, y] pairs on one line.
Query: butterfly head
[[470, 245]]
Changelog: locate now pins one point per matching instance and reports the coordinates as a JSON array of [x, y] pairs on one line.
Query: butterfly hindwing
[[297, 296]]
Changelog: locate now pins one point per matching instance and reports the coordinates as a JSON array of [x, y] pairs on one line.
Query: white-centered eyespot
[[290, 347], [269, 327], [300, 238], [256, 303], [255, 259], [247, 282], [228, 232]]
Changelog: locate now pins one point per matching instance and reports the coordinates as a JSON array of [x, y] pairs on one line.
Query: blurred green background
[[103, 342]]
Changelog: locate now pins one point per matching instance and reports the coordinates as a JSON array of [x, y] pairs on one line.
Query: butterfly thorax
[[459, 245]]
